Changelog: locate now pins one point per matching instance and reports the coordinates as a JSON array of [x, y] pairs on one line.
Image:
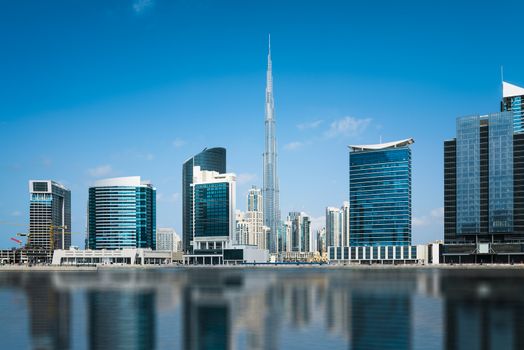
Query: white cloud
[[245, 178], [293, 146], [178, 142], [435, 216], [310, 125], [140, 5], [101, 170], [347, 126]]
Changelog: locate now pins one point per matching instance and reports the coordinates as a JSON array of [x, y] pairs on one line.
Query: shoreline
[[47, 268]]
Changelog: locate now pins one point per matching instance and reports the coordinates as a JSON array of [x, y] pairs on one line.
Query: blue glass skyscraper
[[210, 159], [380, 194], [122, 214], [513, 101]]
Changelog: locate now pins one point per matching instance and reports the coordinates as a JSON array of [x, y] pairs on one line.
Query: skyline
[[328, 97]]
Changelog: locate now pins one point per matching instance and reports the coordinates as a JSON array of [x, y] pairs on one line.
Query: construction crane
[[17, 241], [52, 232]]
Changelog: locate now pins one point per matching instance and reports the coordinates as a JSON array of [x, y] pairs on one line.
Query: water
[[303, 308]]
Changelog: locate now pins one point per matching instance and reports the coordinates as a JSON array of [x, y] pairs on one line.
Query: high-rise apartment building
[[242, 229], [210, 159], [255, 217], [300, 232], [49, 215], [213, 211], [380, 194], [122, 214], [333, 227], [513, 101], [271, 189]]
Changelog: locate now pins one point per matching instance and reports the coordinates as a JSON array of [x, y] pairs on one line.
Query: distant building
[[380, 194], [122, 214], [300, 232], [334, 227], [168, 240], [484, 190], [49, 209], [321, 240], [255, 218], [513, 101], [242, 229], [210, 159], [286, 235]]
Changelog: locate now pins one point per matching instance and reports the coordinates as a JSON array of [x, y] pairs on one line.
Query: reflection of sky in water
[[263, 309]]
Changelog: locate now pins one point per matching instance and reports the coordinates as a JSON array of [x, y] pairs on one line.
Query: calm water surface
[[263, 309]]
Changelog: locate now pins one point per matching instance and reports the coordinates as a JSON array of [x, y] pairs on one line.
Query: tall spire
[[270, 189]]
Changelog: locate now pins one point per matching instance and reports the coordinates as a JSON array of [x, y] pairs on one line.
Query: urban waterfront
[[263, 308]]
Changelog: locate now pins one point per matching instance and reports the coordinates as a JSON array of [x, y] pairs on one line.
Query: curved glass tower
[[211, 159], [122, 214], [271, 192]]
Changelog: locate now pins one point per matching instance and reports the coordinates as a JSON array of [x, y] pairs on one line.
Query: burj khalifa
[[270, 191]]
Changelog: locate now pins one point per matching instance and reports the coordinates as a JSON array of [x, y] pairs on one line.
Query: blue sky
[[94, 89]]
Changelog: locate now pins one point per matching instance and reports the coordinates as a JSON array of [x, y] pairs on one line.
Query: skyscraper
[[380, 194], [300, 232], [211, 159], [213, 211], [122, 214], [50, 205], [513, 101], [337, 226], [271, 191]]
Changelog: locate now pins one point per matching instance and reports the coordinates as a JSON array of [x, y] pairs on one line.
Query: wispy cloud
[[347, 126], [16, 213], [101, 170], [146, 156], [245, 178], [293, 146], [310, 125], [435, 216], [140, 5], [178, 142]]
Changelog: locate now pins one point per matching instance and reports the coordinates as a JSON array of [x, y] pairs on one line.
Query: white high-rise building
[[337, 226], [167, 239], [242, 230], [255, 217], [286, 235]]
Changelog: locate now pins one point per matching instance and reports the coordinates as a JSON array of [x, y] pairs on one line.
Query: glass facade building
[[380, 194], [483, 180], [212, 159], [122, 214], [50, 204], [513, 101]]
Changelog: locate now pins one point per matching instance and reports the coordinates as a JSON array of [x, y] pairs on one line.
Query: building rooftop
[[121, 181], [380, 146], [510, 90]]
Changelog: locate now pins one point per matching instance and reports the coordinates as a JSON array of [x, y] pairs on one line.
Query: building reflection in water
[[273, 309], [484, 310]]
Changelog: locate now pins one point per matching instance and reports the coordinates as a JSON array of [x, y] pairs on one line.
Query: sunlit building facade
[[380, 194]]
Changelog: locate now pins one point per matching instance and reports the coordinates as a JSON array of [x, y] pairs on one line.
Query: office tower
[[241, 228], [513, 101], [380, 194], [49, 209], [167, 239], [484, 181], [122, 214], [300, 232], [212, 159], [286, 235], [213, 210], [271, 190], [255, 216]]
